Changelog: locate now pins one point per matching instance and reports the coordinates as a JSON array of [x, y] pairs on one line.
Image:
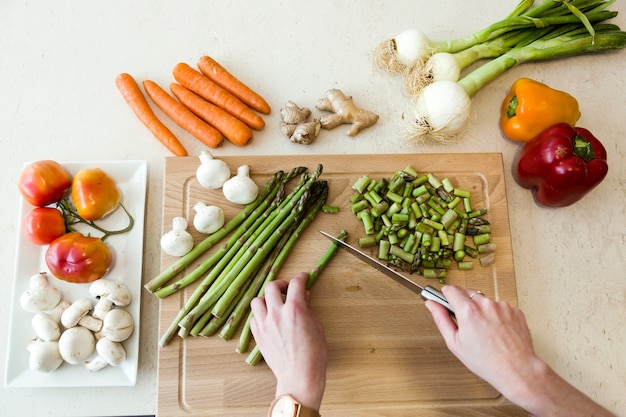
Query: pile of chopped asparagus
[[421, 224]]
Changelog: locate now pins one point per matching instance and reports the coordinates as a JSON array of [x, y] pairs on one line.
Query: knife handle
[[431, 293]]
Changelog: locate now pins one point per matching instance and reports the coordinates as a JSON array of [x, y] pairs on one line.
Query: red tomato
[[44, 182], [43, 224], [74, 257]]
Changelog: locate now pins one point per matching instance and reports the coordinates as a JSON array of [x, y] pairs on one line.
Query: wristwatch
[[286, 406]]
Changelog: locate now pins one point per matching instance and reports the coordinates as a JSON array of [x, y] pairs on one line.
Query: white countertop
[[58, 63]]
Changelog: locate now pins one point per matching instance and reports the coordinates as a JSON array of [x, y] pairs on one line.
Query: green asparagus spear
[[255, 355], [173, 270]]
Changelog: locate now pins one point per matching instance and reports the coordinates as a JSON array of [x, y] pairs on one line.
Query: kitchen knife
[[427, 292]]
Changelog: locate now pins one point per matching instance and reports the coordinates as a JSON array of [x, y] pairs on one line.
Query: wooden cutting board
[[386, 357]]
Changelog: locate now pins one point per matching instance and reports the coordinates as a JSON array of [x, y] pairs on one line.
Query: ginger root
[[344, 111], [306, 133], [295, 125]]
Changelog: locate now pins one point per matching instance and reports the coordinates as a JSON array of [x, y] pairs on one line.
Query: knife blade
[[427, 292]]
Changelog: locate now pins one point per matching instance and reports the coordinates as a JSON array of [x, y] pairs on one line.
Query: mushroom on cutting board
[[108, 293], [178, 241], [41, 296], [208, 219], [212, 173], [109, 353], [76, 345], [241, 189]]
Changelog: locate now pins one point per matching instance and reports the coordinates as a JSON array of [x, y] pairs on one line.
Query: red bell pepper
[[562, 164]]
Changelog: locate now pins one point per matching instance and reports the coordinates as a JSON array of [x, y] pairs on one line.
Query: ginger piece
[[295, 125], [306, 133], [291, 116], [344, 111]]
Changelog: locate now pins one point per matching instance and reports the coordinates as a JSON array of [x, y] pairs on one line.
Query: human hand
[[291, 339], [492, 339]]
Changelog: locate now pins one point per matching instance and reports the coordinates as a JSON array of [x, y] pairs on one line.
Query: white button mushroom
[[46, 328], [108, 293], [208, 219], [109, 353], [41, 296], [241, 189], [177, 242], [76, 345], [212, 173], [92, 323], [56, 312], [117, 325], [76, 311], [44, 355]]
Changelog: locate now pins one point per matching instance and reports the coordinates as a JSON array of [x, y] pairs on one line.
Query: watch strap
[[306, 412], [300, 410]]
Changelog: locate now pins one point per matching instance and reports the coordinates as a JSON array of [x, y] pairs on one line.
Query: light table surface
[[58, 63]]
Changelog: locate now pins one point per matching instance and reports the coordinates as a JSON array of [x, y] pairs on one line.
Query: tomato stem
[[72, 217]]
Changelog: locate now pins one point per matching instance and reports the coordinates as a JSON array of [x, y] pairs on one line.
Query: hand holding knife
[[427, 292]]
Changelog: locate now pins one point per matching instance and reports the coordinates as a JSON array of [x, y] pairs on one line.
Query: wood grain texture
[[386, 357]]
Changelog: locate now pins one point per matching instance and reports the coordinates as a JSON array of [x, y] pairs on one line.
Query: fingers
[[456, 296], [273, 297], [274, 291], [444, 322], [471, 293], [297, 287], [259, 312]]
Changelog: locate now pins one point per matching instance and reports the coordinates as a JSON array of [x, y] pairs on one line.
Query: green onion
[[442, 109], [412, 46]]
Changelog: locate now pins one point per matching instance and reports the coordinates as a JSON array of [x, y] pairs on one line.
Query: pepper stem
[[512, 107], [583, 149]]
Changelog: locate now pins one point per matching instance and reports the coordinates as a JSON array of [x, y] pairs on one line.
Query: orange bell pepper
[[531, 107], [94, 193]]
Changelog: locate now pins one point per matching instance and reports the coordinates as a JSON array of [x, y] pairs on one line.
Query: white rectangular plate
[[131, 178]]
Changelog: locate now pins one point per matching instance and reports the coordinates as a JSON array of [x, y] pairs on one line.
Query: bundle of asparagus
[[260, 238]]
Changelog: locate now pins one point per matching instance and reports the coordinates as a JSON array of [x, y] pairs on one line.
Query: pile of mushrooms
[[214, 174], [72, 332], [211, 174]]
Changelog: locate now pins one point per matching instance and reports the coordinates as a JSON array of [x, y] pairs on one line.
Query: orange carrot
[[206, 133], [219, 75], [207, 89], [139, 105], [232, 128]]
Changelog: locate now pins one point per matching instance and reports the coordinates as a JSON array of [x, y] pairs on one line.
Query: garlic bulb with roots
[[440, 112], [408, 48]]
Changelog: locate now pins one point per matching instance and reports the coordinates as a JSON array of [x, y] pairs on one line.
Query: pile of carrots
[[212, 105]]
